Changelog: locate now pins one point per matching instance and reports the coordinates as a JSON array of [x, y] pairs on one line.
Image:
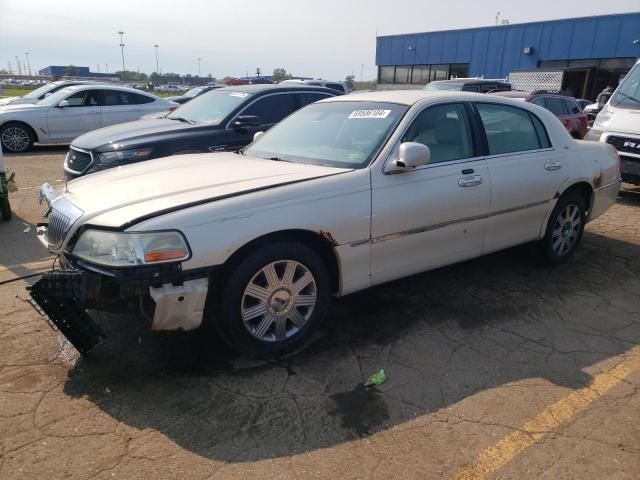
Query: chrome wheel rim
[[278, 301], [15, 139], [566, 230]]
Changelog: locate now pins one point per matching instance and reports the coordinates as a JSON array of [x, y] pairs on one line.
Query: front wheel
[[564, 230], [273, 299], [16, 137]]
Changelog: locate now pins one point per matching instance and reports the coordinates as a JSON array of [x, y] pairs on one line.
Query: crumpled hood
[[122, 194]]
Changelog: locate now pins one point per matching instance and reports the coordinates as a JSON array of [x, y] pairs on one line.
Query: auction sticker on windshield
[[369, 114]]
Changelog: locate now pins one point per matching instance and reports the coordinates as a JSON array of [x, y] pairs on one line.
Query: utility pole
[[28, 63], [10, 68], [122, 48], [19, 66], [361, 71], [157, 63], [199, 60]]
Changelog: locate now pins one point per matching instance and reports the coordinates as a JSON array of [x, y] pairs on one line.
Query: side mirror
[[411, 155], [257, 135], [63, 103], [246, 121]]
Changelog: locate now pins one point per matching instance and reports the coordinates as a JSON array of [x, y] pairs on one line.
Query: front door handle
[[552, 166], [470, 181]]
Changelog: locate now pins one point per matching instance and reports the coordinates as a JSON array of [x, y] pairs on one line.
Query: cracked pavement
[[472, 353]]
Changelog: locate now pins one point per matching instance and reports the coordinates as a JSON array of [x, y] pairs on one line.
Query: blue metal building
[[602, 46], [84, 72]]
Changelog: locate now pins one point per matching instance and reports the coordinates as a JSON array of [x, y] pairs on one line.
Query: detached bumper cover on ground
[[63, 297]]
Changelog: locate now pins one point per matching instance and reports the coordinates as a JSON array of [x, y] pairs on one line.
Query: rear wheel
[[565, 228], [273, 300], [16, 137]]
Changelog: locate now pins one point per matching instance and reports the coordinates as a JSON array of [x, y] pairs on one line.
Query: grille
[[59, 225], [77, 161], [625, 144]]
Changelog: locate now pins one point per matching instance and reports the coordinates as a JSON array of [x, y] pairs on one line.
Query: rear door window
[[555, 105], [137, 99], [571, 106], [508, 129], [271, 108]]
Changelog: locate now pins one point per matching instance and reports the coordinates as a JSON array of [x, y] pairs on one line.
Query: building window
[[420, 74], [459, 70], [439, 72], [386, 74], [403, 74]]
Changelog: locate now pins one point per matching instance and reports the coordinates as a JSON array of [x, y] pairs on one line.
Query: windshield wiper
[[182, 119]]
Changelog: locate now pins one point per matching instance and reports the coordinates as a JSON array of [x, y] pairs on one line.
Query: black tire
[[20, 129], [561, 238], [5, 208], [224, 309]]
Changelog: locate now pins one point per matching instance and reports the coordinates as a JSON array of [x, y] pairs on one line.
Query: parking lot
[[499, 367]]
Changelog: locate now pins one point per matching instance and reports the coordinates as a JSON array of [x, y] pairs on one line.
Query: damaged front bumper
[[64, 296]]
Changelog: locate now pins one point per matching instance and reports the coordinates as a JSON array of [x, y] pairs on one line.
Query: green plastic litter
[[377, 378]]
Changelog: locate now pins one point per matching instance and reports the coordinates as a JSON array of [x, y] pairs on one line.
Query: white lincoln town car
[[344, 194]]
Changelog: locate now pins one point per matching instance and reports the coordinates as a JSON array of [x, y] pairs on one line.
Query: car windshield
[[334, 134], [40, 91], [627, 95], [56, 97], [433, 86], [194, 92], [211, 107]]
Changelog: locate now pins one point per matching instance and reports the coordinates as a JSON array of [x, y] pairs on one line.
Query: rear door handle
[[552, 166], [470, 181]]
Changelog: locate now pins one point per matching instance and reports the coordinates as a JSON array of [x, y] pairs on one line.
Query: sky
[[322, 39]]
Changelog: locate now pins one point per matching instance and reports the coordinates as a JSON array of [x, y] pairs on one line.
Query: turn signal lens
[[165, 255]]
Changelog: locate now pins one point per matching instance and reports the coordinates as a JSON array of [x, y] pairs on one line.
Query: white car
[[343, 194], [168, 88], [44, 91], [72, 111]]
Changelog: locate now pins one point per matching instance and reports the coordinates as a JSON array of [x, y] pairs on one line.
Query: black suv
[[221, 120], [480, 85]]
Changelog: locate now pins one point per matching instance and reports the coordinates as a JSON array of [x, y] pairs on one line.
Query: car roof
[[471, 81], [531, 95], [412, 97], [259, 88], [106, 85]]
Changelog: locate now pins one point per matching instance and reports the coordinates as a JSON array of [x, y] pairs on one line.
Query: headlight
[[121, 249], [124, 155]]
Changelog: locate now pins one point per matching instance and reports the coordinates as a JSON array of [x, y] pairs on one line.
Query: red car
[[565, 108]]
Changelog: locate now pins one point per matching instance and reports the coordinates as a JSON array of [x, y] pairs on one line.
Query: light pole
[[361, 71], [122, 48], [157, 64], [28, 64], [199, 60]]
